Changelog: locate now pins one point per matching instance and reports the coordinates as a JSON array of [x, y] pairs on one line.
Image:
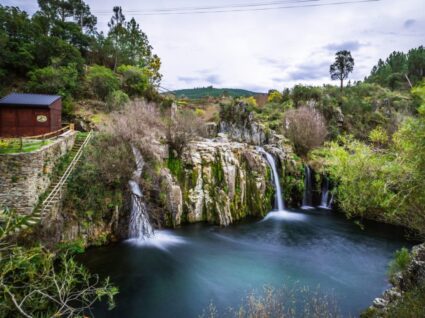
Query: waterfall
[[326, 202], [275, 178], [140, 227], [308, 191]]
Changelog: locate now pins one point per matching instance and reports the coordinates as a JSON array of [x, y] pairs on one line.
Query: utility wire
[[152, 13], [240, 5]]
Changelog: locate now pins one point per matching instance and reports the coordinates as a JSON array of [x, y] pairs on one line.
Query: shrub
[[183, 127], [116, 100], [139, 124], [378, 136], [302, 93], [134, 80], [275, 97], [400, 262], [101, 81], [306, 128], [54, 80]]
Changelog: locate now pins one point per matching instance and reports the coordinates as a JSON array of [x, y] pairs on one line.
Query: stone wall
[[25, 176]]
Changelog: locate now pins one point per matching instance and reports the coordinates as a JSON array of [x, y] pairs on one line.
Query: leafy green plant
[[101, 81], [399, 263]]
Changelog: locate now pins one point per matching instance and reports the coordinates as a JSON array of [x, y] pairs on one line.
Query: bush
[[134, 80], [400, 262], [116, 100], [274, 97], [302, 93], [183, 127], [54, 80], [101, 81], [306, 128]]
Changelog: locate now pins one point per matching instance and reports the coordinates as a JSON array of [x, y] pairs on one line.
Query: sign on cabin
[[24, 115]]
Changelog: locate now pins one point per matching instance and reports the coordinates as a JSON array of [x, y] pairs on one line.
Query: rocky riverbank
[[409, 284]]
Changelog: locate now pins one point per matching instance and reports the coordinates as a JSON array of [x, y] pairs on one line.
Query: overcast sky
[[260, 50]]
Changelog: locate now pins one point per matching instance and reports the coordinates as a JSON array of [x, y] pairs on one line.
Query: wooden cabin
[[24, 115]]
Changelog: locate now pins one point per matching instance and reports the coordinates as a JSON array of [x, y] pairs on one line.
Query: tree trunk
[[342, 84]]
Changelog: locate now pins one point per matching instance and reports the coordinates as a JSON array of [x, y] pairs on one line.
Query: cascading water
[[275, 178], [308, 191], [140, 227], [326, 202]]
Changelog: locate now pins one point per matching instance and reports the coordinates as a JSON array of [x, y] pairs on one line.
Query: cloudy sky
[[263, 49]]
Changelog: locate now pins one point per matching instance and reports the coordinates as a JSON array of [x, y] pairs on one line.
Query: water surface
[[180, 272]]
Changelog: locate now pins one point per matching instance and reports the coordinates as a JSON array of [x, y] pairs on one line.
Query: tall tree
[[343, 65], [64, 10], [117, 31]]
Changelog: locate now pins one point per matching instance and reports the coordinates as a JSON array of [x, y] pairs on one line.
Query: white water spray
[[308, 191], [275, 178], [140, 227], [326, 202]]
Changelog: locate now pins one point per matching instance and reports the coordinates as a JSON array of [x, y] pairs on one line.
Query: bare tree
[[140, 124], [183, 127], [306, 128]]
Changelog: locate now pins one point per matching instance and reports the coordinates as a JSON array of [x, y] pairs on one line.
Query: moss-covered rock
[[221, 182]]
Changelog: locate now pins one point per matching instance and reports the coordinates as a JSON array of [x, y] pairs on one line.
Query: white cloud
[[269, 49]]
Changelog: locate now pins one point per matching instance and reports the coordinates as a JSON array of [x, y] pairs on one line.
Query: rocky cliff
[[218, 181]]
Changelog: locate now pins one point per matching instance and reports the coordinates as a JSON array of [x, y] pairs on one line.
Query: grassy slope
[[195, 93]]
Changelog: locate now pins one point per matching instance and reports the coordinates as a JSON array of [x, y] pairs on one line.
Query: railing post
[[21, 143], [71, 127]]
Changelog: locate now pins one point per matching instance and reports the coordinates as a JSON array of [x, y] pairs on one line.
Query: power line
[[226, 10], [240, 5]]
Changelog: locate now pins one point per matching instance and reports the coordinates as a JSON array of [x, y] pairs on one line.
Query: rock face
[[218, 181], [251, 132]]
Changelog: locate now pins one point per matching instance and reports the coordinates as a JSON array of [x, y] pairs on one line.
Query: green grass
[[196, 93], [9, 147]]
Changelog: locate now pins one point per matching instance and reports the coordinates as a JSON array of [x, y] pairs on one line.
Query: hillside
[[194, 93]]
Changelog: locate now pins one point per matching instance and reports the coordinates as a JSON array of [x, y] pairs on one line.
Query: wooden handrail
[[62, 181], [55, 133]]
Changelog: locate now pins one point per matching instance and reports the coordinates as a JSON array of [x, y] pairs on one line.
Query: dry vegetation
[[306, 128]]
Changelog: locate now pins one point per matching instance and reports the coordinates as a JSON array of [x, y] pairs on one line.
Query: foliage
[[378, 136], [51, 47], [385, 185], [37, 283], [101, 81], [275, 96], [116, 100], [54, 80], [302, 93], [364, 187], [306, 128], [107, 166], [400, 262], [343, 65], [399, 68], [134, 80]]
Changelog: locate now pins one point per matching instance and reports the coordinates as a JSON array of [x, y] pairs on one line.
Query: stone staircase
[[59, 182]]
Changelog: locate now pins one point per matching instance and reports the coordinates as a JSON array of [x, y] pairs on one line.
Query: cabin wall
[[56, 115], [24, 121]]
